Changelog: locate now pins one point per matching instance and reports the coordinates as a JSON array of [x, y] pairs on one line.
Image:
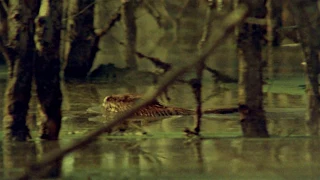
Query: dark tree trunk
[[253, 120], [33, 50], [20, 55], [80, 32], [130, 31], [3, 18], [276, 16], [64, 39], [307, 17], [47, 67], [3, 28]]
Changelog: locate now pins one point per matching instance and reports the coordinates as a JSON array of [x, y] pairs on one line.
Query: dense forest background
[[50, 48], [160, 25]]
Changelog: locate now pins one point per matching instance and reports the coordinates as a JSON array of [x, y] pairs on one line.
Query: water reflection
[[224, 158], [54, 169], [16, 155]]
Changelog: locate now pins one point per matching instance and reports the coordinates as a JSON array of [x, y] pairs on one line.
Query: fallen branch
[[220, 33], [221, 110]]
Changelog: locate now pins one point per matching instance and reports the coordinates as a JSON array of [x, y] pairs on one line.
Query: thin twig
[[221, 32], [197, 83], [4, 6], [80, 12], [206, 27], [197, 89]]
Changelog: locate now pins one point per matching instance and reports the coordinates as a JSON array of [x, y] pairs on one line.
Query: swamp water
[[165, 152]]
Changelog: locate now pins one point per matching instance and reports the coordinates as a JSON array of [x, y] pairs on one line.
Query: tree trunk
[[253, 120], [275, 10], [130, 31], [20, 55], [64, 39], [47, 66], [307, 17], [80, 32], [3, 25], [3, 19], [33, 50]]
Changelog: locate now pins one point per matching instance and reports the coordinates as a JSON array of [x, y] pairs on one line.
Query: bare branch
[[115, 18], [220, 33], [4, 51], [100, 33], [153, 12], [219, 76], [4, 6], [80, 12], [206, 27], [196, 85]]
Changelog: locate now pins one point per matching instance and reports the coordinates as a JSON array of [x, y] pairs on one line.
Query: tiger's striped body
[[121, 103]]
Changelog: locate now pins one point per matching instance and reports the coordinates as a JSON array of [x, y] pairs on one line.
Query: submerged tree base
[[253, 122], [254, 128]]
